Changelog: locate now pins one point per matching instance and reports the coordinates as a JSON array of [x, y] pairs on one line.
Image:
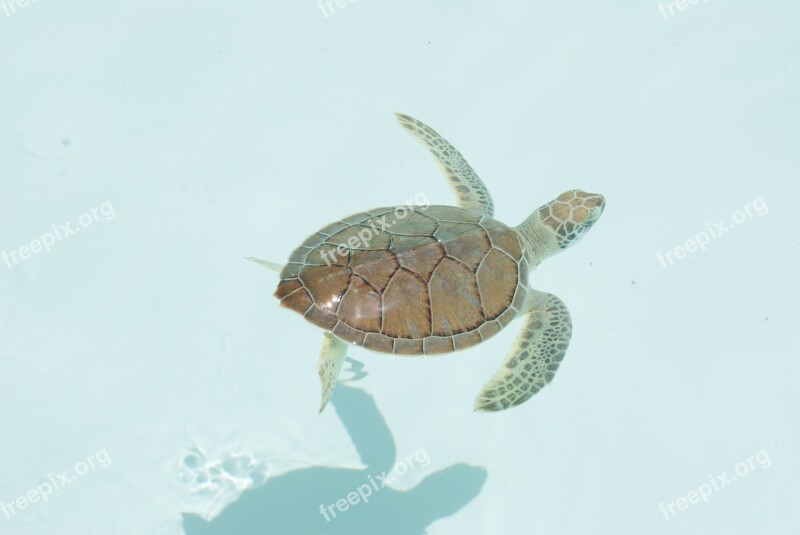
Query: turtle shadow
[[293, 503]]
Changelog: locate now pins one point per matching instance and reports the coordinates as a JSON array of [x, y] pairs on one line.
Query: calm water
[[150, 384]]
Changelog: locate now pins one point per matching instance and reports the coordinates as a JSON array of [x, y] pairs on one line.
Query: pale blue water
[[151, 385]]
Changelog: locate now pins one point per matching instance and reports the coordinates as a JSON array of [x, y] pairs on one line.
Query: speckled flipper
[[535, 356], [470, 190], [331, 358]]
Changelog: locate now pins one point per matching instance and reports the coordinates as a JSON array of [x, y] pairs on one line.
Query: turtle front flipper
[[470, 190], [535, 356], [331, 358]]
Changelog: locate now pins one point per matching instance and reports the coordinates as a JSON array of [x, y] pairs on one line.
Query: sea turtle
[[426, 280]]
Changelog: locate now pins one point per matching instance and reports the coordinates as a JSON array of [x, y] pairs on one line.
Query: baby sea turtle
[[426, 280]]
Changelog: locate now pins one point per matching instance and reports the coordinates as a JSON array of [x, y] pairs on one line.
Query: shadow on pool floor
[[290, 504]]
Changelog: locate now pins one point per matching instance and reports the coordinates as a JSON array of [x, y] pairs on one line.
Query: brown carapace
[[439, 279]]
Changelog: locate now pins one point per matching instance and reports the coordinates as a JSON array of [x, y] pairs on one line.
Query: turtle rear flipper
[[266, 263], [535, 356], [331, 358]]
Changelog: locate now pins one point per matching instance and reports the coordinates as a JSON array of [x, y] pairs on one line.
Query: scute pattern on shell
[[423, 281]]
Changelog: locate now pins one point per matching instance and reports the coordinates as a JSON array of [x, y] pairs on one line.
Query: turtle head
[[571, 215], [561, 223]]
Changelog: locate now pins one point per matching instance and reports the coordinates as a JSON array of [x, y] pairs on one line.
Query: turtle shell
[[408, 280]]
